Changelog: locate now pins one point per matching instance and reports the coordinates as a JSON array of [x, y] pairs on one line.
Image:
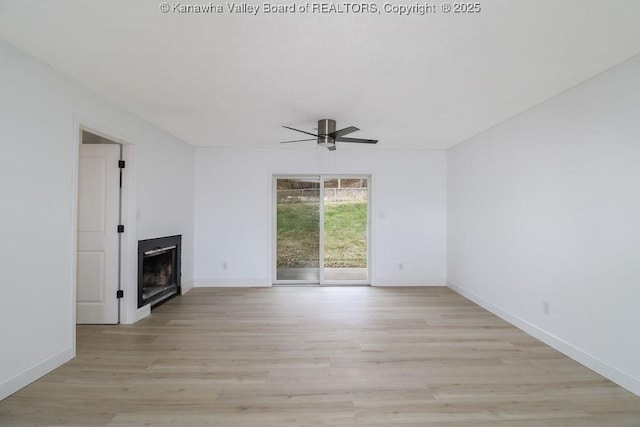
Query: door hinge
[[121, 164], [119, 293], [121, 228]]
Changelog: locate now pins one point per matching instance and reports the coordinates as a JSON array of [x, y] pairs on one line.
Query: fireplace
[[158, 270]]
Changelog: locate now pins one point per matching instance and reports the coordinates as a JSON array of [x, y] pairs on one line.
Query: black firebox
[[158, 270]]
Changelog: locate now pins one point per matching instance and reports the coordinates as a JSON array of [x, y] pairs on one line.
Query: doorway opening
[[99, 219], [322, 228]]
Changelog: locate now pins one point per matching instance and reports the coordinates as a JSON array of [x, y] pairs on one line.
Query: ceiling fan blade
[[298, 130], [341, 132], [297, 140], [362, 141]]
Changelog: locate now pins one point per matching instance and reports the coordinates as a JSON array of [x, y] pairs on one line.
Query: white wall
[[546, 207], [40, 115], [234, 220]]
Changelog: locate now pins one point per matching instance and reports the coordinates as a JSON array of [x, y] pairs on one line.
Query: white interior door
[[97, 240]]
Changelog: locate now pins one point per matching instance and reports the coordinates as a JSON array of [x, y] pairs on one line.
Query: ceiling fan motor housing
[[325, 127]]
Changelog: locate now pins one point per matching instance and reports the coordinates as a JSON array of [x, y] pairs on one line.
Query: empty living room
[[340, 214]]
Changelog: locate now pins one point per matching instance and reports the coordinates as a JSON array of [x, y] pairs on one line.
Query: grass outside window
[[345, 242]]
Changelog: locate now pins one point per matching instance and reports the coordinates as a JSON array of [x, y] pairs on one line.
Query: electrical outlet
[[400, 266], [545, 308], [225, 266]]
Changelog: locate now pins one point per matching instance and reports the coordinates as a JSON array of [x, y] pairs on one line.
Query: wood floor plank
[[296, 356]]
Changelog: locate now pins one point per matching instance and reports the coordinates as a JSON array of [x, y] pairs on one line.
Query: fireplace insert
[[158, 270]]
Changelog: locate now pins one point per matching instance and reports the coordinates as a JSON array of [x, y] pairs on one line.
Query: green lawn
[[345, 235], [298, 240]]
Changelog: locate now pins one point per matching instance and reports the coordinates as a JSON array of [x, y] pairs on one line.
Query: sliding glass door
[[345, 229], [298, 225], [321, 229]]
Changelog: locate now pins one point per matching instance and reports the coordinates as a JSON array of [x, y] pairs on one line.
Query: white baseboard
[[433, 281], [143, 312], [256, 283], [28, 376], [231, 283], [621, 378], [186, 287]]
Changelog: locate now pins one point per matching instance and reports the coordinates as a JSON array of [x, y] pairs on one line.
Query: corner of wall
[[28, 376], [621, 378]]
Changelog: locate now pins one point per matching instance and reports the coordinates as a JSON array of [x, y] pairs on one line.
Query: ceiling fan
[[328, 135]]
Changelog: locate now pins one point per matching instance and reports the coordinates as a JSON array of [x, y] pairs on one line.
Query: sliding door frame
[[274, 225]]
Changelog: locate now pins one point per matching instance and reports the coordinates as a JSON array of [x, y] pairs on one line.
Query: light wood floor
[[319, 356]]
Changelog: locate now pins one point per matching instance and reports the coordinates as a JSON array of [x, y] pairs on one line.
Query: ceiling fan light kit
[[328, 135]]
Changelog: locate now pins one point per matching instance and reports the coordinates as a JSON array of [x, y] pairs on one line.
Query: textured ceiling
[[419, 81]]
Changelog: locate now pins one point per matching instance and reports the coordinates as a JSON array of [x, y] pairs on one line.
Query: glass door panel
[[345, 229], [298, 229]]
